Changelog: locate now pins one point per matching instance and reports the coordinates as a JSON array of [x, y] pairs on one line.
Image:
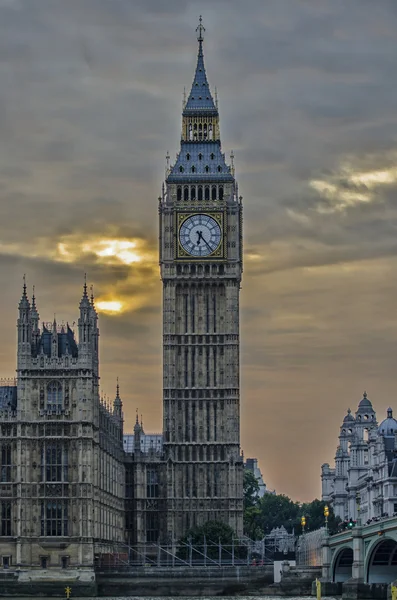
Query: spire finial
[[137, 418], [365, 394], [200, 30], [85, 284], [24, 284], [117, 389]]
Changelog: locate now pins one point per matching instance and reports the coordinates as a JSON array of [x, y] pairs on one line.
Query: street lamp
[[303, 523], [358, 504], [326, 515]]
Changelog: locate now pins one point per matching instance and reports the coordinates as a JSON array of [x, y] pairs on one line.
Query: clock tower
[[201, 268]]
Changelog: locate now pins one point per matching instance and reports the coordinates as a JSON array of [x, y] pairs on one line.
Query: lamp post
[[326, 515], [358, 505], [303, 523]]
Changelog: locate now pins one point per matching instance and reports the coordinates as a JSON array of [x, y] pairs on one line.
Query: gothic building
[[201, 267], [363, 483], [73, 486], [61, 448]]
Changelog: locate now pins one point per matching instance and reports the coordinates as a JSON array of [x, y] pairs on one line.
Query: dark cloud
[[90, 102]]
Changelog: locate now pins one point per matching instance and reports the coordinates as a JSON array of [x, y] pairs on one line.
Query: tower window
[[5, 466], [54, 517], [152, 483], [207, 169], [219, 169], [5, 528], [179, 194], [186, 194], [54, 395], [181, 169], [200, 193], [193, 169], [54, 463], [220, 193], [213, 193], [212, 156], [193, 193], [188, 156], [200, 156], [207, 193]]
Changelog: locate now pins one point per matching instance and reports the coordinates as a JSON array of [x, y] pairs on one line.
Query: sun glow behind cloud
[[107, 251], [109, 306], [350, 187]]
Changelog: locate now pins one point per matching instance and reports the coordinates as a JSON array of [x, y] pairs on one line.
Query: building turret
[[24, 327], [137, 436], [117, 404], [84, 324]]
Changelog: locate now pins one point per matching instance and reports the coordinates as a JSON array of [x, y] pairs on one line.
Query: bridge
[[365, 554]]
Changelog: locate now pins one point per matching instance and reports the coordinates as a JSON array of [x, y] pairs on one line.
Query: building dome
[[349, 417], [388, 427]]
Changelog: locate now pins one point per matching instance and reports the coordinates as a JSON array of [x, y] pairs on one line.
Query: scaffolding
[[210, 553], [309, 548]]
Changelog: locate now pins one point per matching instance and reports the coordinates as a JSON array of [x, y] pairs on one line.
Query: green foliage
[[261, 515], [278, 510], [251, 490], [314, 513], [205, 539]]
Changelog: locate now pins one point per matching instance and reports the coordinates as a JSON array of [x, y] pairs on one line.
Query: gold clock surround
[[218, 254]]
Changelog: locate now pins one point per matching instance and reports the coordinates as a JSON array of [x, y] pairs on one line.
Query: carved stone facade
[[363, 482], [61, 448], [201, 268]]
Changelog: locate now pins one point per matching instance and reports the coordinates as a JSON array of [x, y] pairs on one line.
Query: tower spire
[[200, 98], [200, 30]]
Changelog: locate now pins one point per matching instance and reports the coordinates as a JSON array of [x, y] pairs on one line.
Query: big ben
[[201, 268]]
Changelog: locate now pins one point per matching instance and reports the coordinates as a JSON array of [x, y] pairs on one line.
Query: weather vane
[[200, 30]]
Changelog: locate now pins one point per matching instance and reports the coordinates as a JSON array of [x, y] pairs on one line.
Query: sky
[[90, 103]]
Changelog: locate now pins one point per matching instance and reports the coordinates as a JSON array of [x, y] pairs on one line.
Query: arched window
[[200, 156], [200, 193], [207, 169], [181, 169], [54, 395], [219, 169], [193, 193], [207, 193], [212, 156], [220, 193], [193, 169], [188, 156], [179, 193], [213, 192], [186, 193]]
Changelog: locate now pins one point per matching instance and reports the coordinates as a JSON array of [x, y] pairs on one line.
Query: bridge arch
[[381, 561], [342, 564]]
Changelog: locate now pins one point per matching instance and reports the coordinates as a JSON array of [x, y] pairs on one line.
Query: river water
[[179, 598]]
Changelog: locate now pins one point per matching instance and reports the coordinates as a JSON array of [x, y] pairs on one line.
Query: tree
[[250, 489], [278, 510], [206, 540], [314, 513]]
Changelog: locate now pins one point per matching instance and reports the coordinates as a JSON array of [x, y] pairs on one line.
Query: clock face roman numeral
[[200, 235]]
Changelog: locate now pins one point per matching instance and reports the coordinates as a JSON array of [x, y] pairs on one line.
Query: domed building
[[364, 480]]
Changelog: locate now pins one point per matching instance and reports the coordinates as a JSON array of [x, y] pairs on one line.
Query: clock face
[[200, 235]]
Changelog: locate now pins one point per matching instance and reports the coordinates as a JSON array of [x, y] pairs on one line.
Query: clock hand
[[205, 241], [199, 237]]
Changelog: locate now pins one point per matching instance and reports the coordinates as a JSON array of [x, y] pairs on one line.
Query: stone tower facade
[[61, 448], [201, 269]]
